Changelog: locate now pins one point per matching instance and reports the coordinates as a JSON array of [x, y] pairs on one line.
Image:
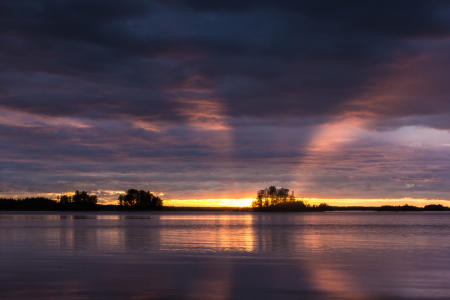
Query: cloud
[[215, 99], [125, 58]]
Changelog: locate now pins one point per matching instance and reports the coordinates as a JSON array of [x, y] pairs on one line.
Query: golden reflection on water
[[209, 233]]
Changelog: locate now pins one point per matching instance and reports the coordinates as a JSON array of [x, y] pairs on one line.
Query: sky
[[214, 100]]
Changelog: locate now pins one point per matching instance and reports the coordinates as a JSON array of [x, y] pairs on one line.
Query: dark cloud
[[312, 57]]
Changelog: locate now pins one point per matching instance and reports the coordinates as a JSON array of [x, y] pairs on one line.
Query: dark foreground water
[[218, 255]]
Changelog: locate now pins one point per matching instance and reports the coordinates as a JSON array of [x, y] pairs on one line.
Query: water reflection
[[224, 256], [71, 217], [210, 233], [294, 234]]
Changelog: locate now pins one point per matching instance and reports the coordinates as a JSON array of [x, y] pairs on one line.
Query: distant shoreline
[[116, 208], [142, 201]]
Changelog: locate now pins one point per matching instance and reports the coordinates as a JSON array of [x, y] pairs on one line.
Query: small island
[[273, 199]]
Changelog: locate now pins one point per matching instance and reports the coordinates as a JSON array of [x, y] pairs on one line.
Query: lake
[[224, 255]]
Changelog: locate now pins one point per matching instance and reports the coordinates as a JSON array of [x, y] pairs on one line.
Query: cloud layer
[[206, 99]]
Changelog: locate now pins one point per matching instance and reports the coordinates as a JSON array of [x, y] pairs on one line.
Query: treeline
[[78, 198], [273, 199], [34, 203], [133, 199], [77, 201], [406, 207]]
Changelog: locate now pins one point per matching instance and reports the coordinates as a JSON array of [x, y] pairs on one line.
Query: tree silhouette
[[64, 199], [273, 199], [140, 199], [84, 198], [272, 196]]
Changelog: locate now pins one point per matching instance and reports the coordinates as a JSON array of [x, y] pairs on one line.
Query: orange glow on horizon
[[242, 202], [245, 202]]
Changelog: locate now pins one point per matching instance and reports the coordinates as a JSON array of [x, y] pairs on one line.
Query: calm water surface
[[219, 255]]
